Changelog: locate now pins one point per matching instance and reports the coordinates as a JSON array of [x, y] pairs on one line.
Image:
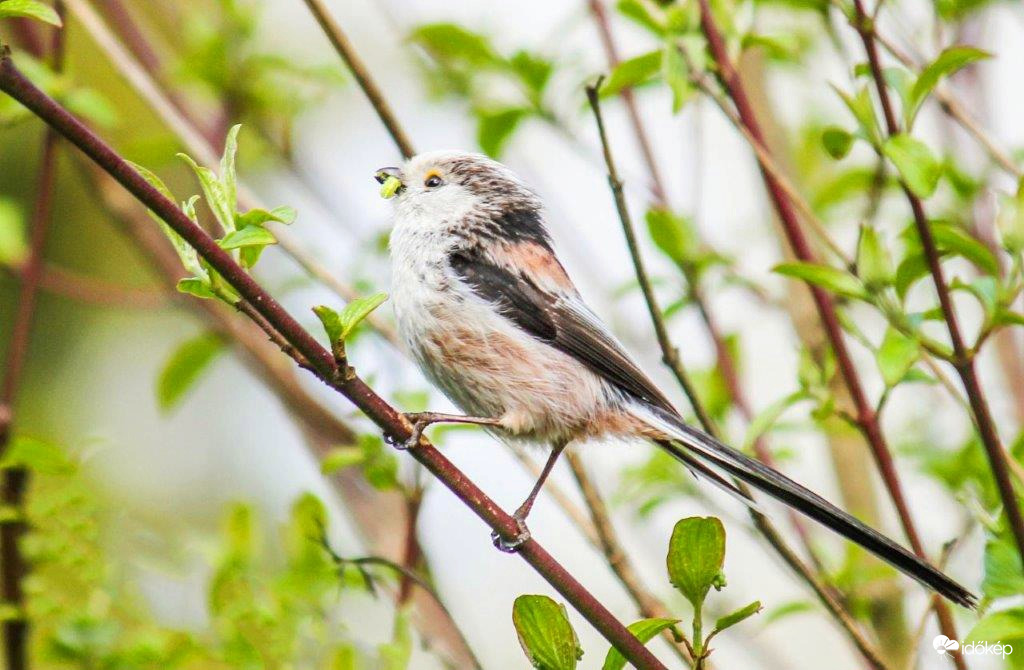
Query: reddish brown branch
[[345, 381], [963, 357]]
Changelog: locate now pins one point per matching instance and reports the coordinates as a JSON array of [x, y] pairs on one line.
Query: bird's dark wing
[[555, 316]]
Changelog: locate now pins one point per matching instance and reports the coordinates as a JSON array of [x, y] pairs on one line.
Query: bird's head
[[449, 187]]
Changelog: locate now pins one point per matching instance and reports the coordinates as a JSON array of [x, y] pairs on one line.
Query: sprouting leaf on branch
[[545, 634], [494, 128], [642, 13], [502, 91], [696, 553], [915, 162], [185, 367], [674, 72], [896, 355], [737, 616], [947, 63], [827, 277], [30, 9], [863, 111], [631, 73], [874, 263], [644, 630], [340, 325], [837, 142], [952, 239]]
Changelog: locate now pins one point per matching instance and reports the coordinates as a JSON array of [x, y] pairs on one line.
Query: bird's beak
[[390, 180]]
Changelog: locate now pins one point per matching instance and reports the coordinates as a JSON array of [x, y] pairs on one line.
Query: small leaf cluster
[[502, 90], [694, 562], [243, 234], [223, 55], [280, 610]]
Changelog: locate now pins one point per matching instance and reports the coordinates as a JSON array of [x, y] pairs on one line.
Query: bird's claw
[[513, 545], [419, 424]]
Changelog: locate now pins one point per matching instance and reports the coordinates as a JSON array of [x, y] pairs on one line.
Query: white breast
[[482, 361]]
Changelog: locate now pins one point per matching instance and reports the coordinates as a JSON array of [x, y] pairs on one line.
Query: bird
[[489, 314]]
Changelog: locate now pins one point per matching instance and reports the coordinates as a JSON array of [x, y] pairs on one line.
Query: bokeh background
[[155, 485]]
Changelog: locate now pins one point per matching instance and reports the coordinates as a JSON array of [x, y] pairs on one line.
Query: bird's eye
[[433, 181]]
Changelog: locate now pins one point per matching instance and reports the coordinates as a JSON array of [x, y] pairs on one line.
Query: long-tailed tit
[[492, 318]]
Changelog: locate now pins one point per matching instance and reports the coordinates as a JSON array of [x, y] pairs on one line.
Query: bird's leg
[[510, 546], [420, 421]]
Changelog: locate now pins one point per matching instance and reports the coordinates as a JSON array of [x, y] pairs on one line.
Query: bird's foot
[[513, 545], [419, 421]]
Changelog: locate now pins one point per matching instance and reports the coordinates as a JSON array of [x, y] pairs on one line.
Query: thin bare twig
[[359, 70]]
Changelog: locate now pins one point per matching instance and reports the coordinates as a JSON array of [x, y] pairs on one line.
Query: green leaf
[[228, 175], [331, 321], [953, 239], [763, 422], [643, 630], [37, 456], [257, 217], [340, 325], [786, 610], [545, 633], [448, 41], [733, 618], [915, 163], [13, 246], [1011, 220], [863, 110], [673, 71], [947, 62], [837, 142], [196, 287], [31, 9], [896, 355], [1006, 626], [380, 467], [184, 368], [672, 234], [250, 236], [189, 257], [341, 458], [1004, 576], [829, 278], [396, 654], [874, 264], [641, 13], [216, 198], [533, 70], [631, 73], [494, 129], [696, 553], [911, 269]]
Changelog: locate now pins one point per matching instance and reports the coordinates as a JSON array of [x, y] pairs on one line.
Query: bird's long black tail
[[698, 445]]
